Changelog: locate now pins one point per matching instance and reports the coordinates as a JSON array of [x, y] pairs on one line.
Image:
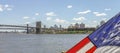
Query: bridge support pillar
[[38, 27], [27, 29]]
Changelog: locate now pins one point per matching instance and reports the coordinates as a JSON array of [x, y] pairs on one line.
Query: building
[[102, 22], [82, 25], [76, 26], [60, 27], [44, 26], [56, 27], [70, 26]]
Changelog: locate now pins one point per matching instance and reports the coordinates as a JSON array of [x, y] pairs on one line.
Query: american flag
[[106, 35]]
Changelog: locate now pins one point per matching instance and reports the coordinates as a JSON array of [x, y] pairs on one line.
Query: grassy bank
[[68, 32]]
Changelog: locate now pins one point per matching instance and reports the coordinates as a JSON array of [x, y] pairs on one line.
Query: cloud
[[26, 17], [9, 9], [49, 18], [69, 6], [99, 14], [37, 14], [34, 18], [95, 21], [60, 21], [104, 18], [107, 9], [50, 14], [73, 23], [27, 22], [1, 8], [5, 7], [79, 19], [84, 12]]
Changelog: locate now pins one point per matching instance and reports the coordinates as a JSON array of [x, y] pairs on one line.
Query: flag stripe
[[86, 48], [79, 45], [116, 50], [92, 49], [111, 50]]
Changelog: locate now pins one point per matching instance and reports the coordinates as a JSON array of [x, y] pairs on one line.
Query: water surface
[[40, 43]]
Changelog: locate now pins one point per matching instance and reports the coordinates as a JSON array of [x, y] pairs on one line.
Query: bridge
[[27, 27], [3, 25]]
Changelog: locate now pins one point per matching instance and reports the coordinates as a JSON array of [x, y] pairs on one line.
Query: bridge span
[[36, 29]]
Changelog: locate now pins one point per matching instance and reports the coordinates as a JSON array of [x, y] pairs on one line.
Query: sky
[[59, 12]]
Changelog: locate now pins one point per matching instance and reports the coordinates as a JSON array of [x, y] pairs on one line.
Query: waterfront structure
[[38, 27], [71, 26], [82, 25], [55, 27], [102, 22], [44, 26], [51, 27], [76, 26], [60, 27], [16, 28], [97, 26], [27, 29]]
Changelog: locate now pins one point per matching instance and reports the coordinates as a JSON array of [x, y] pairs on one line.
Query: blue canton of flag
[[108, 34]]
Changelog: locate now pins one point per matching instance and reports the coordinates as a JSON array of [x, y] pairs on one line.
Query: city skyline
[[62, 12]]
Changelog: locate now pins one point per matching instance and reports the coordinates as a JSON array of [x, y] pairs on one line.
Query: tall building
[[51, 27], [82, 25], [44, 26], [44, 29], [97, 26], [77, 26], [55, 27], [60, 27], [102, 22], [70, 26]]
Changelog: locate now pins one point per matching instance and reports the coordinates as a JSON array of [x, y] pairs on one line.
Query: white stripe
[[85, 48], [104, 49], [116, 50], [110, 51]]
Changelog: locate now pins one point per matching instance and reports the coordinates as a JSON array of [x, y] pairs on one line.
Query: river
[[38, 43]]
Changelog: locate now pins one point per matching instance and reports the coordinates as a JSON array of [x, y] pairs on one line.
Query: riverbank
[[67, 32]]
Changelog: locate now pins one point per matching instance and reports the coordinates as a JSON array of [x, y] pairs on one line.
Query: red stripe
[[79, 45], [91, 50]]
